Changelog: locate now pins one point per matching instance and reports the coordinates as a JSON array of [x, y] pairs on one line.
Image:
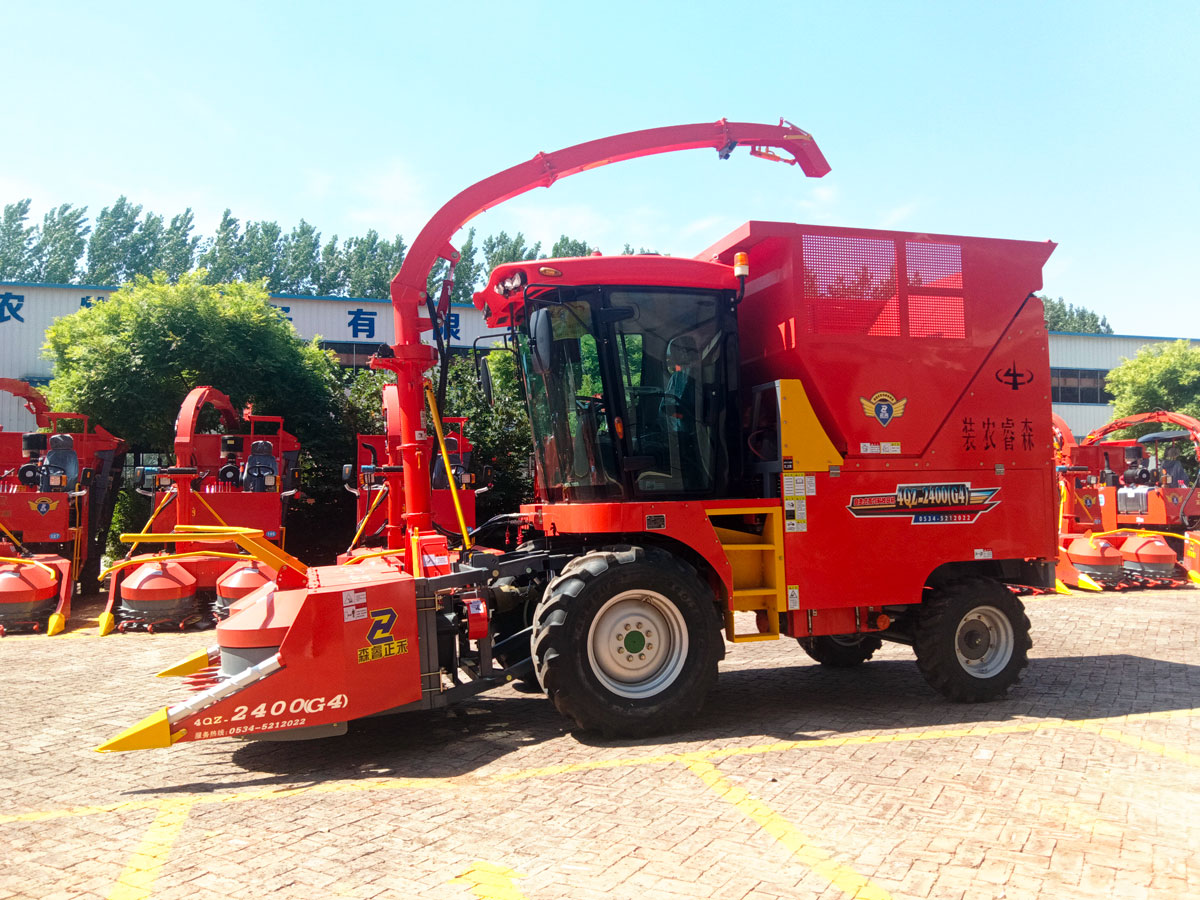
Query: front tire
[[626, 642], [972, 640]]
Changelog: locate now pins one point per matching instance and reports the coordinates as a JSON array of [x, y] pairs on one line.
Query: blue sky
[[1075, 122]]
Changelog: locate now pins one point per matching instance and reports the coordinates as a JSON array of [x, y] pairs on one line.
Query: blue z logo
[[382, 623]]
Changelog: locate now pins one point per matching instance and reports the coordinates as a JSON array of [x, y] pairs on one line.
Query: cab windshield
[[634, 399]]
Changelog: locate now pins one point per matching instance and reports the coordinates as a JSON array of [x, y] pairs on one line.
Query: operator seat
[[259, 464], [679, 403], [684, 400], [60, 459], [439, 478]]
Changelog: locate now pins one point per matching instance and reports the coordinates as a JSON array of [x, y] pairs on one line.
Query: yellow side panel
[[801, 436]]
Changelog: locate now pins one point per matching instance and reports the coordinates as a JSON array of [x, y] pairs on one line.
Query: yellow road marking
[[77, 811], [1140, 743], [844, 878], [1103, 726], [489, 881], [137, 881]]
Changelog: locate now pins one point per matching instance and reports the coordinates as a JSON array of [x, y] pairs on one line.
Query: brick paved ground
[[797, 782]]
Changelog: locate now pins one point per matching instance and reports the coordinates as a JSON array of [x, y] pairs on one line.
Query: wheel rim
[[984, 642], [637, 644]]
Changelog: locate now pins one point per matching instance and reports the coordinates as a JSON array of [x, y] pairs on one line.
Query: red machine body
[[725, 435], [242, 477], [377, 482], [57, 488], [1118, 499]]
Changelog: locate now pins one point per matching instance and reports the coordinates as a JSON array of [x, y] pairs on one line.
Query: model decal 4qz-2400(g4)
[[927, 504]]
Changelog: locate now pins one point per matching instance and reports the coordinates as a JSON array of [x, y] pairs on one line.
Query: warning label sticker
[[354, 605], [793, 595], [795, 489]]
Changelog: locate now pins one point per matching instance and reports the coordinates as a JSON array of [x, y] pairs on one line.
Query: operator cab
[[629, 366]]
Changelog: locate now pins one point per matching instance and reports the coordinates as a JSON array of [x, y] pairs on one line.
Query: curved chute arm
[[189, 418], [1184, 421], [34, 401], [409, 285], [410, 358]]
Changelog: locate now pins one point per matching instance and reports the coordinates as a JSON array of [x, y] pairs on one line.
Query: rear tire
[[626, 642], [842, 651], [972, 640]]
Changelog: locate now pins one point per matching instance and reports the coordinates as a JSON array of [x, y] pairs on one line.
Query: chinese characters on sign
[[10, 306], [383, 651], [985, 437], [362, 322]]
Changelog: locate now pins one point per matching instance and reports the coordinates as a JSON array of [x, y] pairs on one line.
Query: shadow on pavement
[[787, 703]]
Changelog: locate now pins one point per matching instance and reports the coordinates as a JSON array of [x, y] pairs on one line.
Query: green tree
[[221, 255], [16, 242], [145, 249], [500, 433], [301, 260], [1162, 376], [371, 263], [130, 361], [566, 247], [500, 248], [1063, 316], [115, 249], [60, 245], [262, 254], [178, 248], [332, 280]]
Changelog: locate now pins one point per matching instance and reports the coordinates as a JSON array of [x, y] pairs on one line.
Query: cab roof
[[643, 270]]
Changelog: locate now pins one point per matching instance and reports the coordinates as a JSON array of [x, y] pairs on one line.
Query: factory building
[[354, 327]]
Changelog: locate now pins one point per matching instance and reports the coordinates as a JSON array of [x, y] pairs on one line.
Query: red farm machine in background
[[377, 481], [720, 442], [57, 489], [237, 478], [1129, 508]]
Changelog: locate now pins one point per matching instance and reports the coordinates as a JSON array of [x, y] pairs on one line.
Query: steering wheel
[[583, 402]]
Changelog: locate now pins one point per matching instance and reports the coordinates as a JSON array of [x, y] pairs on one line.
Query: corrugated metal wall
[[27, 310]]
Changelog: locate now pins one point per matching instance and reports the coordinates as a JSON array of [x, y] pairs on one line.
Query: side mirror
[[485, 381], [348, 473], [541, 337]]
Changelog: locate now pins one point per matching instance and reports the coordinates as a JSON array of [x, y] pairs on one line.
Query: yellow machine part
[[801, 435]]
